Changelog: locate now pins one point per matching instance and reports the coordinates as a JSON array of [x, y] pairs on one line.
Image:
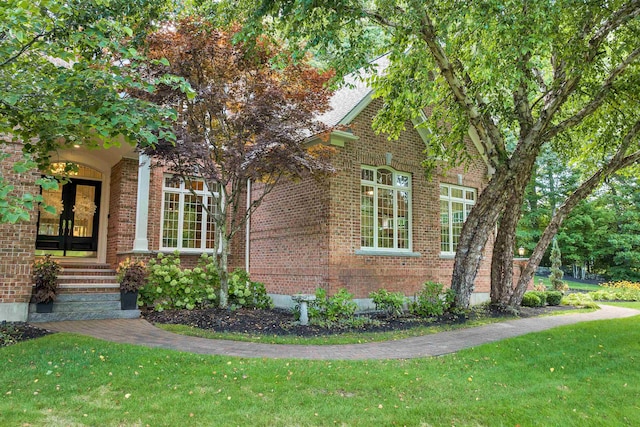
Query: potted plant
[[45, 276], [131, 276]]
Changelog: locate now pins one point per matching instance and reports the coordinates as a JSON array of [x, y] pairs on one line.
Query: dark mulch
[[13, 332], [272, 322], [281, 322]]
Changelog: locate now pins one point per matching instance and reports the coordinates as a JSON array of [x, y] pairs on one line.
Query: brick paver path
[[138, 331]]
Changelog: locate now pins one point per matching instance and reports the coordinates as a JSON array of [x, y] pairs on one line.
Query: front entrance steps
[[86, 292]]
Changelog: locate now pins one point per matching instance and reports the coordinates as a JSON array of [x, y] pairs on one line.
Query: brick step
[[88, 272], [86, 279], [83, 266]]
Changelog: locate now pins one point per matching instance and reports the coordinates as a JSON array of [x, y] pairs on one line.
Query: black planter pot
[[44, 307], [128, 300]]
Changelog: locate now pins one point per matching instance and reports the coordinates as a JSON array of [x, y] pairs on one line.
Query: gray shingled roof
[[353, 92]]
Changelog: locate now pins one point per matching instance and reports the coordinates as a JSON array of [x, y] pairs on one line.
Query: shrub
[[45, 276], [531, 299], [615, 294], [245, 293], [390, 302], [579, 300], [169, 286], [330, 311], [432, 301], [554, 297], [542, 296]]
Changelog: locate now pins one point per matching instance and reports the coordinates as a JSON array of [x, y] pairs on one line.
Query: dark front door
[[73, 228]]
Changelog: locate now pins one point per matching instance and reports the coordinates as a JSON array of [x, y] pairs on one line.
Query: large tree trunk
[[475, 233], [503, 249]]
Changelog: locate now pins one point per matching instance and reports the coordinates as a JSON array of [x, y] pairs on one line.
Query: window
[[385, 209], [185, 224], [455, 204]]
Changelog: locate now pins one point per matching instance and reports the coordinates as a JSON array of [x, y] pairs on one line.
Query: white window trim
[[467, 206], [367, 250], [182, 191]]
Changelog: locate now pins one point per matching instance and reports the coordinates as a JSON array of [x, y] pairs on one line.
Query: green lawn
[[580, 375], [571, 283]]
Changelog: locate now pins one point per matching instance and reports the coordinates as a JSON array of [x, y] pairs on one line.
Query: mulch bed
[[281, 322], [14, 332], [270, 322]]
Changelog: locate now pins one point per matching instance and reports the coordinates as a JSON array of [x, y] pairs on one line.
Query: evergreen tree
[[556, 263]]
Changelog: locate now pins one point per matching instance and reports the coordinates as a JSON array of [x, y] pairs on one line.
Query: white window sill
[[391, 252], [447, 256]]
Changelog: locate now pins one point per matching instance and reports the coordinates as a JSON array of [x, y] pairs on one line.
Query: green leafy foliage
[[554, 297], [45, 276], [432, 300], [245, 293], [531, 299], [332, 311], [579, 300], [131, 275], [556, 274], [169, 286], [64, 69], [390, 302]]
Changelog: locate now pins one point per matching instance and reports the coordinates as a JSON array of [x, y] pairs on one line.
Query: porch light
[[521, 251]]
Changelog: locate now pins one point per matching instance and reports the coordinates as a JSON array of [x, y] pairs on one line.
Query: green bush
[[579, 300], [542, 296], [171, 287], [531, 299], [390, 302], [330, 311], [615, 294], [554, 297], [245, 293], [432, 301]]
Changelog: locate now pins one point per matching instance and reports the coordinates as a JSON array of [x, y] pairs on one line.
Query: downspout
[[248, 228]]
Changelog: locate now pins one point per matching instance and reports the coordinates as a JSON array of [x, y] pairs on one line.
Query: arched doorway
[[69, 227]]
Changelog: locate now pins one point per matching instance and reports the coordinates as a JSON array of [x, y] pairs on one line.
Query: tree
[[512, 75], [246, 119], [556, 263], [64, 68]]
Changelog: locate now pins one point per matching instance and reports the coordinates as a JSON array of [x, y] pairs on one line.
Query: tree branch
[[490, 136], [597, 100], [25, 48]]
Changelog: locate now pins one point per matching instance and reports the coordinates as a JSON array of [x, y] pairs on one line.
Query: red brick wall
[[17, 241], [290, 237], [306, 235], [122, 209]]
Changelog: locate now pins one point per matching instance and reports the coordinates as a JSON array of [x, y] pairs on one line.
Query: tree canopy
[[64, 70], [247, 117], [511, 75]]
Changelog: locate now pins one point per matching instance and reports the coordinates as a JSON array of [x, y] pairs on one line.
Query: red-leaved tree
[[246, 118]]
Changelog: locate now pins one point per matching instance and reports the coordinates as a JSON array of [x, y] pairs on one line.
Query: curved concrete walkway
[[141, 332]]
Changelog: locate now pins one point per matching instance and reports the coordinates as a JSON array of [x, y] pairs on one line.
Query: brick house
[[377, 223]]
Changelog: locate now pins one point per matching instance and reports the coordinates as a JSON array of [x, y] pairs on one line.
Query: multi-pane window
[[455, 204], [385, 209], [185, 223]]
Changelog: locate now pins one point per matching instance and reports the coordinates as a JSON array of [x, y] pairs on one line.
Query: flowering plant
[[131, 275]]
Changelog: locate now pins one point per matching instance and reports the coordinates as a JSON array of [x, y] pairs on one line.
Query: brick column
[[17, 243]]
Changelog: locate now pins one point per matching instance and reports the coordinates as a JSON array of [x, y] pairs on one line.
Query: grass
[[579, 375], [627, 304], [571, 283]]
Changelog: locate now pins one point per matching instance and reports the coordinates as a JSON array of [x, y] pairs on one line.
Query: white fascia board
[[473, 134], [336, 137], [355, 111]]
